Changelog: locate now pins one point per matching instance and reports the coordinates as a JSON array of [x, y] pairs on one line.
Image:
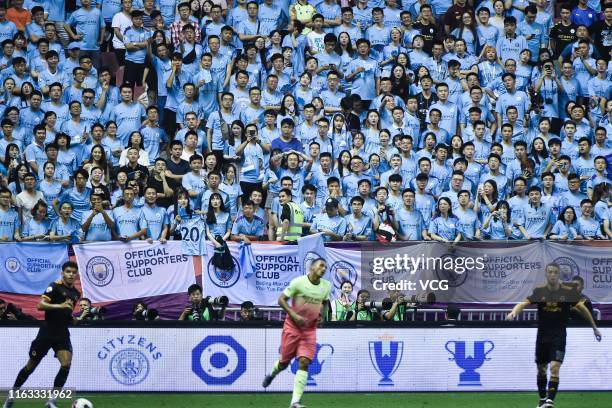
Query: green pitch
[[391, 400]]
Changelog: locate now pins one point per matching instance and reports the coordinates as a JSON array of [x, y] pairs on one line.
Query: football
[[82, 403]]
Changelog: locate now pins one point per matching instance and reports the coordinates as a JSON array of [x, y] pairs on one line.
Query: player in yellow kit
[[309, 293]]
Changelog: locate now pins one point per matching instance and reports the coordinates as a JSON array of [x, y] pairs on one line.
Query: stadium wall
[[230, 359]]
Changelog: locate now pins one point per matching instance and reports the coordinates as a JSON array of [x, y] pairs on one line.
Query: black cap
[[331, 202]]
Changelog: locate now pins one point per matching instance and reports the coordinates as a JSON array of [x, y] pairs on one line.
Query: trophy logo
[[386, 356], [316, 365], [469, 362]]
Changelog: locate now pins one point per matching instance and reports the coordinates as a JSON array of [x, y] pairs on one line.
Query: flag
[[310, 247], [30, 267], [247, 260]]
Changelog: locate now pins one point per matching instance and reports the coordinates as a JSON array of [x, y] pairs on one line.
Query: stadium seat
[[119, 76], [138, 90], [109, 60]]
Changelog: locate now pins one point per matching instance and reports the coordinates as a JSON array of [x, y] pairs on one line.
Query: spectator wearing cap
[[88, 27], [71, 61], [330, 223]]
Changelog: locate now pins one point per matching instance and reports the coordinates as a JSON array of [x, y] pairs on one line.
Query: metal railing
[[424, 315]]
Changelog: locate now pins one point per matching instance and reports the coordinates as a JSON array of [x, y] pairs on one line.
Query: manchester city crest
[[100, 271]]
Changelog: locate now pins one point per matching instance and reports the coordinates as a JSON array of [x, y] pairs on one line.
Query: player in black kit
[[555, 300], [58, 303]]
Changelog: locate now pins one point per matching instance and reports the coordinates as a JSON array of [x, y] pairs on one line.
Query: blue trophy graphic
[[315, 366], [469, 363], [386, 357]]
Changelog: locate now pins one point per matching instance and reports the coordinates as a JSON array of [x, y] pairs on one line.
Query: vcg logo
[[316, 365], [469, 360], [129, 358], [386, 357], [218, 360]]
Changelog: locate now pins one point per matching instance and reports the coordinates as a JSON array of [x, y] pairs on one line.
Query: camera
[[219, 301], [142, 312], [384, 304], [196, 311], [97, 312]]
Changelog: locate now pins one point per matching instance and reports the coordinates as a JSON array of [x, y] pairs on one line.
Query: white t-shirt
[[315, 41], [27, 202], [122, 22]]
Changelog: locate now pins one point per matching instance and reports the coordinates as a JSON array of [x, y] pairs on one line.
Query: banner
[[137, 359], [28, 268], [483, 273], [591, 263], [310, 247], [275, 267], [119, 271]]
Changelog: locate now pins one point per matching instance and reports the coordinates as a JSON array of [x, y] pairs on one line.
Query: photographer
[[549, 86], [140, 311], [203, 309], [248, 312], [88, 312], [398, 310], [363, 308], [9, 311]]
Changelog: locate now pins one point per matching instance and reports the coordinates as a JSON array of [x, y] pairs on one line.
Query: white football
[[82, 403]]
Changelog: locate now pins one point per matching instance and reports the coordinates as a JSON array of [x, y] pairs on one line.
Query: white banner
[[113, 271], [275, 267], [347, 360]]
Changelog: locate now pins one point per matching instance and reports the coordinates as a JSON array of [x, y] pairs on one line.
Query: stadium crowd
[[206, 120]]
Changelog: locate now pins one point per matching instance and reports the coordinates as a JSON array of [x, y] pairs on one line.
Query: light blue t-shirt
[[98, 229], [89, 23], [156, 218], [9, 224], [222, 225], [411, 224], [128, 221], [446, 228], [128, 119]]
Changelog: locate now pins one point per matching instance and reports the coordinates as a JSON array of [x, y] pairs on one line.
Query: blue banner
[[28, 268]]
